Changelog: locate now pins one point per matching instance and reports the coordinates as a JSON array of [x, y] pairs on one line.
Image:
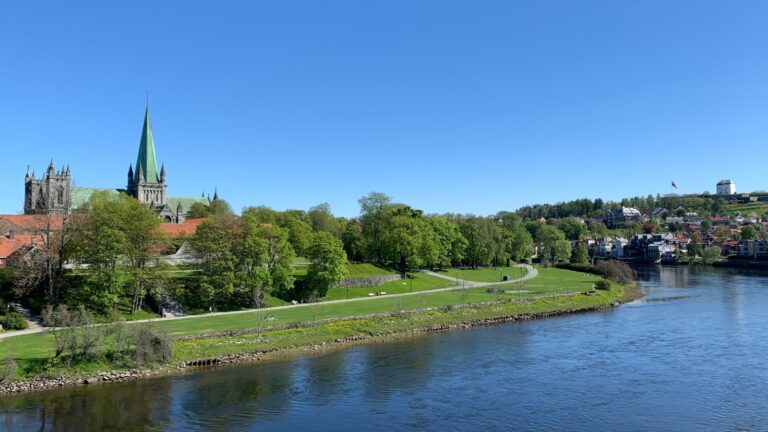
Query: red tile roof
[[33, 223], [9, 246], [186, 229]]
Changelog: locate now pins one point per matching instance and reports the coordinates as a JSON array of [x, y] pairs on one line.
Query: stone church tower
[[145, 183], [148, 185], [49, 195]]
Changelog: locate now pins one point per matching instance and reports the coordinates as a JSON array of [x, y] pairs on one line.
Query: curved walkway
[[461, 284]]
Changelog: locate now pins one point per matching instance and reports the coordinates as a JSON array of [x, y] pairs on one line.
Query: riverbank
[[311, 337]]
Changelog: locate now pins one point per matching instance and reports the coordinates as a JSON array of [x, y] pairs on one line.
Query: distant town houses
[[621, 216]]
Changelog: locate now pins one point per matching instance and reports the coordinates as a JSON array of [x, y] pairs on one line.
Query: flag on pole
[[674, 185]]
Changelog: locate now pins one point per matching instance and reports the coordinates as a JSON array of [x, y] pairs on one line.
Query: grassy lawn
[[485, 274], [328, 332], [418, 282], [549, 281], [759, 208], [34, 348]]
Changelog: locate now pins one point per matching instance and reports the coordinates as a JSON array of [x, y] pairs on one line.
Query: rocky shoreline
[[51, 383]]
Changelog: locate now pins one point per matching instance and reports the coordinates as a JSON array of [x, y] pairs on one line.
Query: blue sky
[[460, 106]]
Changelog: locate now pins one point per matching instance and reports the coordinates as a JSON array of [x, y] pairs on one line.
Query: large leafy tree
[[373, 221], [352, 238], [519, 243], [451, 244], [402, 242], [328, 263], [142, 236], [213, 246], [252, 255], [299, 234], [99, 244]]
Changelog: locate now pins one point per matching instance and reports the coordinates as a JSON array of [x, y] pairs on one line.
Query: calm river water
[[691, 355]]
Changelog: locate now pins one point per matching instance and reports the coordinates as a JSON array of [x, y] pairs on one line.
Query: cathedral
[[53, 192]]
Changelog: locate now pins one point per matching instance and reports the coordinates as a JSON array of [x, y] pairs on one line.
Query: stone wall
[[368, 281]]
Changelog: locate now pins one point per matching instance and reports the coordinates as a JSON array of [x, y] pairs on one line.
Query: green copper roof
[[81, 196], [146, 162], [186, 202]]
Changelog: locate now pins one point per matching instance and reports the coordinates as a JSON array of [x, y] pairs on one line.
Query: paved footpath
[[460, 284]]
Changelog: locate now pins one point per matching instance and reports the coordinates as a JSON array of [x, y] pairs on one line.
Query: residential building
[[726, 187], [755, 249], [622, 215]]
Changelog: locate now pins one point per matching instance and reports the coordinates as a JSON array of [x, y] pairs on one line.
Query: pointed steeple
[[146, 162], [215, 194], [162, 174], [130, 173]]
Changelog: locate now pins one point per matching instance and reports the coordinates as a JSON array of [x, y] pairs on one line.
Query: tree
[[451, 245], [280, 259], [322, 219], [402, 242], [711, 254], [722, 234], [299, 234], [573, 229], [373, 223], [212, 245], [581, 254], [749, 233], [560, 251], [474, 254], [141, 234], [198, 210], [329, 263], [100, 242], [352, 238], [520, 243], [252, 256], [219, 207], [695, 248]]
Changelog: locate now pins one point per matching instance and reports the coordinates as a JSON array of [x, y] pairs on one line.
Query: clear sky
[[461, 106]]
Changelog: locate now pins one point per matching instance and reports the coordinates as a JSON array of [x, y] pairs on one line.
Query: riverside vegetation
[[253, 263], [124, 346]]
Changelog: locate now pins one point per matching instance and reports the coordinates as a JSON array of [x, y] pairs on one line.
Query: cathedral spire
[[146, 162]]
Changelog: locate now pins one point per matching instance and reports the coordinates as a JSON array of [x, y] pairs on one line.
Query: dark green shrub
[[603, 285], [15, 321]]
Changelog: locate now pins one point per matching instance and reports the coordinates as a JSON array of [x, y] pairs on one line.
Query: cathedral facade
[[53, 192]]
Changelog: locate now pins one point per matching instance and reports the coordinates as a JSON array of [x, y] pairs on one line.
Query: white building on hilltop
[[726, 187]]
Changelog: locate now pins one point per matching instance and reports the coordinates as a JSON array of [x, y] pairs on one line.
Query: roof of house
[[8, 246], [725, 182], [186, 229], [33, 223]]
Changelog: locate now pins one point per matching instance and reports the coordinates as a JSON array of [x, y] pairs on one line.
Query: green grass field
[[34, 348], [759, 208], [416, 282], [485, 274]]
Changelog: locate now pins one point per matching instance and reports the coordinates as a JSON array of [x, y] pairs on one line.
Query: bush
[[8, 369], [617, 271], [152, 347], [603, 285], [15, 321]]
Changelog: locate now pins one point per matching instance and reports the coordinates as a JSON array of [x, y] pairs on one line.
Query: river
[[691, 355]]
